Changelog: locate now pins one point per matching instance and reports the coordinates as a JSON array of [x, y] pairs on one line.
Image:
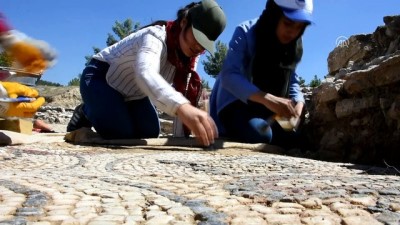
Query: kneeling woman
[[122, 82], [258, 78]]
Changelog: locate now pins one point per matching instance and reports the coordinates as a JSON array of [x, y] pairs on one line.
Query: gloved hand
[[31, 55], [19, 109]]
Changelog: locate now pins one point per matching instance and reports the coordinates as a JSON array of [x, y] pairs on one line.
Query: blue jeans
[[250, 123], [111, 116]]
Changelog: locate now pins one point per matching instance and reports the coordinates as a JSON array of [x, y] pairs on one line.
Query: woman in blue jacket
[[258, 79]]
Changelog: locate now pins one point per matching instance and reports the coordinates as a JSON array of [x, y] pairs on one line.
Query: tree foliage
[[302, 82], [48, 83], [205, 84], [89, 57], [121, 30], [213, 64], [5, 59], [74, 82], [315, 82]]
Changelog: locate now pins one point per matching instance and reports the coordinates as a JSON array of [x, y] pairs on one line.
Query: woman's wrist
[[181, 108]]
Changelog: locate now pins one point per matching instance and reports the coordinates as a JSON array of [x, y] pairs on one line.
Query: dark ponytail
[[181, 14], [184, 12]]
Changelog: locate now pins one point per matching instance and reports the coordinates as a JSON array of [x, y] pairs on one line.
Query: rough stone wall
[[355, 114]]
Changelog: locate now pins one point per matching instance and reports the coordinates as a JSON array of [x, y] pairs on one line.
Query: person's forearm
[[299, 108], [281, 106], [263, 98]]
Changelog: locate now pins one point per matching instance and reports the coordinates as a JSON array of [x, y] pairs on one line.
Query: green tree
[[213, 65], [302, 82], [89, 57], [5, 60], [48, 83], [205, 84], [121, 30], [74, 82], [315, 82]]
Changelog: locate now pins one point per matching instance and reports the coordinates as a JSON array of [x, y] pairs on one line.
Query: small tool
[[18, 99]]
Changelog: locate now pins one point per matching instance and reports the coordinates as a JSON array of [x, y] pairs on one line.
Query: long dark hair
[[273, 62]]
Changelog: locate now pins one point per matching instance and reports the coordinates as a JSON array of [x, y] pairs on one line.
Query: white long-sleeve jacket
[[139, 68]]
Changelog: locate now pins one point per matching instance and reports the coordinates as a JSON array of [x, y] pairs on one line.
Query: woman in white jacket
[[122, 82]]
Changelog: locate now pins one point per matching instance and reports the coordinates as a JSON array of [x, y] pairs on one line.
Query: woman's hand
[[281, 106], [19, 109], [199, 122]]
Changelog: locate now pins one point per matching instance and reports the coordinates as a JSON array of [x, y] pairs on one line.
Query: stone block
[[327, 92], [375, 76], [23, 126], [348, 107]]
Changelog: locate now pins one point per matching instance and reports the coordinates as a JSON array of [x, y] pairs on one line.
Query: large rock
[[393, 33], [388, 72], [355, 52], [355, 115], [356, 48]]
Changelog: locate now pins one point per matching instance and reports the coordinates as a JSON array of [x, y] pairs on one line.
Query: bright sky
[[73, 27]]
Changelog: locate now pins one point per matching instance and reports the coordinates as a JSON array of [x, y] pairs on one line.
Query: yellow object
[[15, 89], [288, 124], [24, 109], [28, 56], [23, 126], [20, 109]]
